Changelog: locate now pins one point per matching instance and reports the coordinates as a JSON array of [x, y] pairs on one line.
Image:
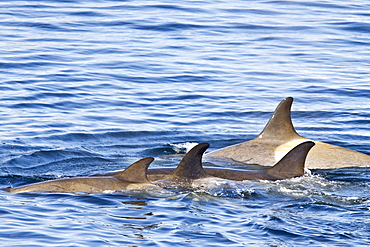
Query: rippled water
[[91, 86]]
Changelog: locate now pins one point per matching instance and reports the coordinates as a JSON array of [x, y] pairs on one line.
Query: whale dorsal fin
[[137, 172], [280, 125], [293, 163], [190, 166]]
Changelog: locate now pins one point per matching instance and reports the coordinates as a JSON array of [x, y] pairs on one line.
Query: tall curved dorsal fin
[[137, 172], [191, 165], [293, 163], [280, 125]]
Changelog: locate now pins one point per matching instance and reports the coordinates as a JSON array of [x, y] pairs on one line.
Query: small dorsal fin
[[191, 165], [292, 164], [280, 125], [137, 172]]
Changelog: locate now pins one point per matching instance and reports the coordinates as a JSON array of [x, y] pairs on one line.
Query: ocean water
[[92, 86]]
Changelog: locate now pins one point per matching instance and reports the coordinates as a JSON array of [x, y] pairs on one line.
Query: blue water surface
[[92, 86]]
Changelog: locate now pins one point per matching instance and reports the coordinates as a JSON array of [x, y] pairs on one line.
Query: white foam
[[178, 147]]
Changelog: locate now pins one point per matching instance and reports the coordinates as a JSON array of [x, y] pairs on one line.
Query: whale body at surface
[[132, 178], [279, 136]]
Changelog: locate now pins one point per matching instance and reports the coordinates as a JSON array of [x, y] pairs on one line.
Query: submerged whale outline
[[279, 136]]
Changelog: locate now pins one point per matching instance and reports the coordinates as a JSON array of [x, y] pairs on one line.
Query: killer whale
[[191, 174], [279, 136], [188, 174], [290, 166], [134, 177]]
